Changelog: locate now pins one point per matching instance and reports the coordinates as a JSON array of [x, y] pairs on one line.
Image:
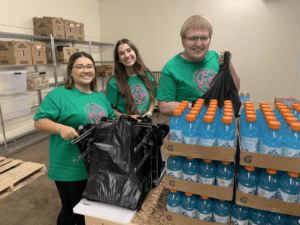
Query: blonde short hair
[[196, 21]]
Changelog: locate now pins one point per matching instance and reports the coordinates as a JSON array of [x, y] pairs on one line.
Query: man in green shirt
[[187, 75]]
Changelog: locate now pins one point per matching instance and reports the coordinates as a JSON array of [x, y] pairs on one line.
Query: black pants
[[70, 194]]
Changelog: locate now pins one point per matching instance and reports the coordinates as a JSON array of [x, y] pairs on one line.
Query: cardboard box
[[104, 71], [64, 55], [39, 57], [183, 220], [7, 48], [45, 26], [71, 33], [37, 47], [80, 31], [198, 151], [212, 191], [17, 58], [273, 205], [49, 55]]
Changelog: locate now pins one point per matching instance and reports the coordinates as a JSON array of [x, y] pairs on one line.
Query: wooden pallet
[[15, 173]]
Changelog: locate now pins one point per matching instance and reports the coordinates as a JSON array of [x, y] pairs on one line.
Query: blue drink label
[[224, 183], [249, 144], [281, 195], [226, 143], [193, 178], [204, 217], [220, 219], [189, 213], [209, 181], [238, 222], [172, 173], [176, 135], [207, 142], [290, 152], [247, 190], [190, 140], [266, 194], [267, 150], [176, 210]]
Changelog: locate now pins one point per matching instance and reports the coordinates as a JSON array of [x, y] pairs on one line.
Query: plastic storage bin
[[14, 106], [37, 80], [12, 82]]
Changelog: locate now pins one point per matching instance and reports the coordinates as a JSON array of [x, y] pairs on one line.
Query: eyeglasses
[[195, 39], [82, 67]]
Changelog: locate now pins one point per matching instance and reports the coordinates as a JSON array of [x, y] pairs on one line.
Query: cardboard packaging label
[[197, 151], [273, 205], [38, 47], [69, 24], [211, 191]]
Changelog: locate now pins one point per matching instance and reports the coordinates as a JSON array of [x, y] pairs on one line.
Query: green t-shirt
[[71, 108], [183, 80], [139, 92]]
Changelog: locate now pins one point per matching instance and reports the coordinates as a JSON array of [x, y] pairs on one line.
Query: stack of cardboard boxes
[[38, 52], [104, 71], [58, 28]]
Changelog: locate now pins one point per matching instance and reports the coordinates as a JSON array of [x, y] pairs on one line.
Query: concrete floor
[[38, 202]]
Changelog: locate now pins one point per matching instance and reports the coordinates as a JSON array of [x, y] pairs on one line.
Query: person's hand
[[221, 59], [136, 117], [67, 133]]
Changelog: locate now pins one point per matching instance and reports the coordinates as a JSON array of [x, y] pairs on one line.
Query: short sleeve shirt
[[139, 92], [183, 80], [71, 108]]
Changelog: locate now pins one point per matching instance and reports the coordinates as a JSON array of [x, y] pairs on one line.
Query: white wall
[[263, 36], [16, 15]]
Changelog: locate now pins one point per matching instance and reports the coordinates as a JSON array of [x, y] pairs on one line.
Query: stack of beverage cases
[[262, 131]]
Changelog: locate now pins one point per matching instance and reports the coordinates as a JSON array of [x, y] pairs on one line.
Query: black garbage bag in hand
[[222, 87], [118, 174]]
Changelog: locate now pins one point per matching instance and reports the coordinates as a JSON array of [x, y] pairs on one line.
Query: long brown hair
[[121, 77], [70, 82]]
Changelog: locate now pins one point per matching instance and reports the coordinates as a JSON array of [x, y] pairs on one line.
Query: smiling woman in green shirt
[[61, 112], [132, 89]]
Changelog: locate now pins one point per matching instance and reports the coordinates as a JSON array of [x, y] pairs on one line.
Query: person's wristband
[[148, 113]]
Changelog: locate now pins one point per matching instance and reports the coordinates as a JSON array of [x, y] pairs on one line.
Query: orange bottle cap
[[293, 174], [226, 163], [200, 100], [251, 118], [189, 158], [213, 114], [295, 126], [226, 120], [263, 103], [242, 93], [173, 155], [208, 119], [204, 197], [190, 117], [270, 118], [291, 120], [181, 108], [298, 109], [214, 100], [228, 114], [275, 125], [282, 107], [283, 111], [268, 114], [194, 112], [207, 160], [250, 168], [185, 102], [287, 115], [227, 101], [295, 106], [250, 112], [266, 110], [188, 194], [173, 191], [177, 112], [196, 108], [271, 171]]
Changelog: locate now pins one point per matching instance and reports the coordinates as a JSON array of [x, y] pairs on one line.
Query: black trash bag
[[117, 174], [223, 88]]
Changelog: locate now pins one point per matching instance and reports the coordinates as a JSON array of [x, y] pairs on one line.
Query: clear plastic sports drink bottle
[[258, 217], [225, 174], [174, 167], [190, 132], [268, 184], [190, 169], [277, 219], [247, 180], [176, 126], [221, 211], [207, 172], [291, 146], [174, 201], [250, 135], [226, 135], [239, 214], [188, 205], [289, 187], [207, 132], [204, 208], [272, 140]]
